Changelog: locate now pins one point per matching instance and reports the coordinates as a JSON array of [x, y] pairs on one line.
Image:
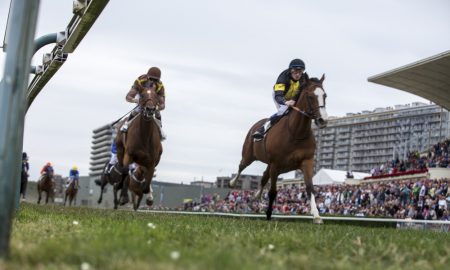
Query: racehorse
[[140, 145], [289, 145], [46, 184], [114, 178], [71, 193]]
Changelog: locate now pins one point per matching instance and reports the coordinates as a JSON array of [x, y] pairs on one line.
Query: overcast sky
[[219, 61]]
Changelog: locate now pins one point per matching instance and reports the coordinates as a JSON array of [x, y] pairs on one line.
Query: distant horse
[[289, 145], [71, 193], [46, 184], [140, 145], [114, 178]]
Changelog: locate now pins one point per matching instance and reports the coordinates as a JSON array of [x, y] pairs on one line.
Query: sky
[[219, 61]]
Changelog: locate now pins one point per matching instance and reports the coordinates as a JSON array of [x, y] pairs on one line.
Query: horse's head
[[315, 96], [148, 102]]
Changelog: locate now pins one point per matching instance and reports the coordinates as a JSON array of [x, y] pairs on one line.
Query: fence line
[[262, 216]]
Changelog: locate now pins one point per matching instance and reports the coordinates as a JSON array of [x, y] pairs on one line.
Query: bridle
[[147, 113], [310, 112]]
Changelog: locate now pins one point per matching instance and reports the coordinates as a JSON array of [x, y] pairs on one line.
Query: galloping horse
[[46, 184], [71, 192], [289, 145], [114, 178], [141, 145]]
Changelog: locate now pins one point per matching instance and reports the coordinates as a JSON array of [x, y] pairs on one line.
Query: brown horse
[[289, 145], [46, 184], [71, 193], [140, 145], [114, 178]]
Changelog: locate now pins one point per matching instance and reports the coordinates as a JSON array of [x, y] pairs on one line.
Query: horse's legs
[[65, 199], [39, 196], [124, 192], [115, 190], [104, 182], [46, 197], [139, 199], [245, 162], [133, 200], [148, 189], [264, 180], [307, 168], [272, 191]]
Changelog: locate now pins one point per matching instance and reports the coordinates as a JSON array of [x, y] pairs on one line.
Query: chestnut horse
[[46, 184], [114, 178], [71, 193], [289, 145], [141, 145]]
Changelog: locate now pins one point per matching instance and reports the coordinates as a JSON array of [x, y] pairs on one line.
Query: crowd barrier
[[438, 225]]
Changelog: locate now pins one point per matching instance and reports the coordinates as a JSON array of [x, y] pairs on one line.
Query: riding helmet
[[24, 155], [75, 168], [297, 63], [154, 73]]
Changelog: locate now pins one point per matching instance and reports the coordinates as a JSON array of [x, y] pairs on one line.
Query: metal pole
[[22, 27]]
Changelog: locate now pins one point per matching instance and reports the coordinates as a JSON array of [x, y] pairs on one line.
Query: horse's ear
[[323, 78]]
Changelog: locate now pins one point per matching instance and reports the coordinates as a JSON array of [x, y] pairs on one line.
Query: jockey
[[287, 90], [113, 160], [150, 80], [47, 170], [74, 175]]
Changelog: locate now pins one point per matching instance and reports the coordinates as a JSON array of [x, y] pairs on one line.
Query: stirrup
[[124, 128]]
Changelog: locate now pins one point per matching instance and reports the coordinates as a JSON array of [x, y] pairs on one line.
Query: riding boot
[[161, 132], [124, 127], [107, 169], [259, 133]]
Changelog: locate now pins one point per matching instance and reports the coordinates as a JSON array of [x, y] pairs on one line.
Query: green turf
[[45, 237]]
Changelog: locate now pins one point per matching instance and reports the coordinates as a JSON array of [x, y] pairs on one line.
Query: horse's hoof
[[317, 220], [99, 201], [149, 202], [268, 215], [124, 200]]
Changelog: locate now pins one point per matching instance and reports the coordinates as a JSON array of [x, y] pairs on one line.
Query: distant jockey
[[47, 170], [74, 175], [113, 160]]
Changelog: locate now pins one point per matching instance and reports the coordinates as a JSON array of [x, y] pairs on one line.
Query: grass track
[[44, 237]]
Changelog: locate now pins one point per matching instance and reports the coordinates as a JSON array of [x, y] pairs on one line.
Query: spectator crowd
[[436, 157], [427, 199]]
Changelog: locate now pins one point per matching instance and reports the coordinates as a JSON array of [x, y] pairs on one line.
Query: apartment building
[[361, 141]]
